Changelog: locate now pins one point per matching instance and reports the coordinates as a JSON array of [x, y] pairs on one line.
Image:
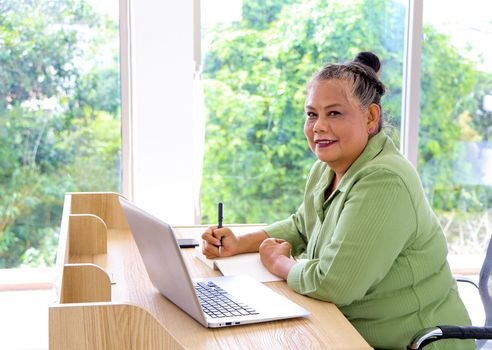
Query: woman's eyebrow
[[333, 105]]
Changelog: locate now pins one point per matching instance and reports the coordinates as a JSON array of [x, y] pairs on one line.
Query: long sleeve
[[375, 224], [375, 249], [292, 230], [297, 228]]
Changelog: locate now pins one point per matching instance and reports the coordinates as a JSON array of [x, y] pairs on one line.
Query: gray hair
[[362, 74]]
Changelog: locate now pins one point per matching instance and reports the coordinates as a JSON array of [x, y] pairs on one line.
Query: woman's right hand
[[213, 237]]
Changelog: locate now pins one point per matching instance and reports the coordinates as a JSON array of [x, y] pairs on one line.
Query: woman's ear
[[373, 116]]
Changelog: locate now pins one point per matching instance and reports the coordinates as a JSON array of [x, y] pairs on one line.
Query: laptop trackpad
[[258, 296]]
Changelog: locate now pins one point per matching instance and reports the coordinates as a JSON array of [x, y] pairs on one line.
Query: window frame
[[128, 31], [412, 54]]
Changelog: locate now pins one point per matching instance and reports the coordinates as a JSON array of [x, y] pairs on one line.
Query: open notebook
[[242, 264]]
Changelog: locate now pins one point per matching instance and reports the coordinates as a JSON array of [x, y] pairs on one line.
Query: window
[[60, 108], [257, 58], [455, 134], [59, 117]]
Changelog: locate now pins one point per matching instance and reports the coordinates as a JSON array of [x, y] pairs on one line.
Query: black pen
[[220, 209]]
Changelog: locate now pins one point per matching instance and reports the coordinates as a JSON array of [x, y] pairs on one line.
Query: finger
[[209, 256], [204, 246], [214, 241], [287, 249], [220, 232], [211, 238], [208, 231], [270, 241], [206, 235], [285, 244], [210, 251], [207, 245], [266, 246]]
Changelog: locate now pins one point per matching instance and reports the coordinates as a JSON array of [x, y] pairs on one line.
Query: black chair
[[481, 334]]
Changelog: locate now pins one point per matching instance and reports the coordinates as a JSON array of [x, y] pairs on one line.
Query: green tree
[[255, 76], [255, 73], [447, 84], [58, 131]]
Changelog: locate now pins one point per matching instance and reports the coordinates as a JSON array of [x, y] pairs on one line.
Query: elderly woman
[[365, 237]]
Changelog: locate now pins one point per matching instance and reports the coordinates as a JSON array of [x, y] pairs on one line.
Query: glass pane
[[455, 145], [257, 58], [59, 117]]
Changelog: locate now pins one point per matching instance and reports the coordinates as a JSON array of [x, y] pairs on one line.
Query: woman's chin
[[325, 159], [324, 156]]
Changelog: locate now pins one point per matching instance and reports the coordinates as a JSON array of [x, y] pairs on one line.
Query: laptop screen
[[162, 258]]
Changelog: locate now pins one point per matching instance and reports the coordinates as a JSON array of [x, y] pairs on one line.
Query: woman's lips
[[325, 143]]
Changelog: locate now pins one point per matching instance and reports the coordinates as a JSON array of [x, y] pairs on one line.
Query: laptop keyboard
[[216, 302]]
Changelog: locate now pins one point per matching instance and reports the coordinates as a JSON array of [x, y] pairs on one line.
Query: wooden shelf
[[105, 299], [90, 279]]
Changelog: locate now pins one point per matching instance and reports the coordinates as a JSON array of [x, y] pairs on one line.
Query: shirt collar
[[372, 149]]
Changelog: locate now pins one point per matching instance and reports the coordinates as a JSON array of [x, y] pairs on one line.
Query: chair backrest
[[485, 289], [485, 285]]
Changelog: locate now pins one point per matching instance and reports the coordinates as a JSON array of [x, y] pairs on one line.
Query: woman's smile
[[324, 143]]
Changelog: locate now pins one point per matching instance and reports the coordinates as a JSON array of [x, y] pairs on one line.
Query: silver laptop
[[213, 302]]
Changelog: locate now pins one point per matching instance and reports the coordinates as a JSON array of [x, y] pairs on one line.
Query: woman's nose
[[319, 126]]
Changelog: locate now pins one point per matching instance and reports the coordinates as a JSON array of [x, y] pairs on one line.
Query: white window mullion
[[197, 36], [126, 99], [411, 81]]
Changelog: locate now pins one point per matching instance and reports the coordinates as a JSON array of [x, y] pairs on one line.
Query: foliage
[[255, 74], [452, 91], [256, 156], [59, 110], [59, 131]]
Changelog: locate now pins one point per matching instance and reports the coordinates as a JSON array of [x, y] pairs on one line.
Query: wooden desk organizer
[[105, 299], [90, 263]]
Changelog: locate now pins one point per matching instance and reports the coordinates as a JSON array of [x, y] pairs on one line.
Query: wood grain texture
[[106, 326], [87, 234], [85, 283], [102, 204], [63, 251]]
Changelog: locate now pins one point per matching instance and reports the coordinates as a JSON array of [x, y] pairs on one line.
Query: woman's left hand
[[275, 255]]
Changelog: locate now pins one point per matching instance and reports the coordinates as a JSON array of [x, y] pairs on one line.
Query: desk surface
[[326, 328]]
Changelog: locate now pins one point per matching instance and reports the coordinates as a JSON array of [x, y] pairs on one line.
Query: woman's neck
[[333, 185]]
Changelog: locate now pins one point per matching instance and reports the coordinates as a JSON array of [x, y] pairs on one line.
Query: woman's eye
[[310, 115], [333, 113]]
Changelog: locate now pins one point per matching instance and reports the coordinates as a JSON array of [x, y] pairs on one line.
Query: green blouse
[[375, 249]]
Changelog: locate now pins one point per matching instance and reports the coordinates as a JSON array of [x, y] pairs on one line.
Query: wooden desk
[[105, 299]]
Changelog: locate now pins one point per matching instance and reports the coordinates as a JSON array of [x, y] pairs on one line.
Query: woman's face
[[336, 127]]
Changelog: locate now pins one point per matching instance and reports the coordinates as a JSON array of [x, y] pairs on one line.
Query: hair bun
[[368, 59]]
